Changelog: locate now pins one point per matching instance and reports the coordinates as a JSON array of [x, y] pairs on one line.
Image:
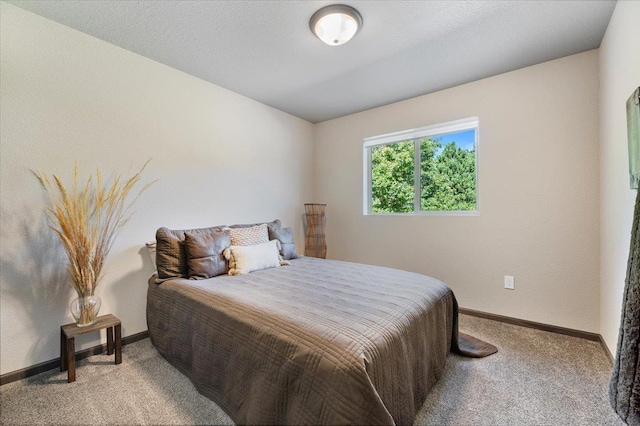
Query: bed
[[317, 342]]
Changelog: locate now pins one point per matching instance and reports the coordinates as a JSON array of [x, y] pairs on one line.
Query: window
[[431, 170]]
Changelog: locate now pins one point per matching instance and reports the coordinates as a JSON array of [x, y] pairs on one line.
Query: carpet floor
[[536, 378]]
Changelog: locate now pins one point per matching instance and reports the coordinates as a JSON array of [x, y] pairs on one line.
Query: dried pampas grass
[[87, 220]]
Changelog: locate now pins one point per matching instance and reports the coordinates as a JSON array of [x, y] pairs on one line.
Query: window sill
[[451, 213]]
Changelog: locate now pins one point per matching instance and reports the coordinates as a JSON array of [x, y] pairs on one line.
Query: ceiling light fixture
[[335, 24]]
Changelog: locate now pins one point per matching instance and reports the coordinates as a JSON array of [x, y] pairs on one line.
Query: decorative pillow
[[285, 236], [171, 255], [276, 224], [151, 248], [249, 236], [245, 259], [204, 254]]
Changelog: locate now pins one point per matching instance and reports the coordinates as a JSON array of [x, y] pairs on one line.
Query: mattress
[[317, 342]]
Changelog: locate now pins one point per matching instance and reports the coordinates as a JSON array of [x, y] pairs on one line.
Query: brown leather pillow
[[204, 254], [287, 243], [171, 255]]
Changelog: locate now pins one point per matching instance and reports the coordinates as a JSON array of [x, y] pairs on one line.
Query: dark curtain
[[624, 388]]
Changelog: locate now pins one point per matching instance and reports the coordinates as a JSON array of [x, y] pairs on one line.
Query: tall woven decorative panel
[[315, 242], [624, 387]]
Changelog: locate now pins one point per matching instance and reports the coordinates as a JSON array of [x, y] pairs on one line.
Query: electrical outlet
[[509, 282]]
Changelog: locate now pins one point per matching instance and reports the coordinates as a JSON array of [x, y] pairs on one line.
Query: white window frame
[[471, 123]]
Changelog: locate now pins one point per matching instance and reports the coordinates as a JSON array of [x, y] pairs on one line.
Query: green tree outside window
[[447, 177]]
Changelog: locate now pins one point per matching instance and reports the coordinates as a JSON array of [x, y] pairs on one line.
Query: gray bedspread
[[317, 342]]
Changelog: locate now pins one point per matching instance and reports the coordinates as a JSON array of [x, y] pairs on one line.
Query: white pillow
[[151, 247], [245, 259]]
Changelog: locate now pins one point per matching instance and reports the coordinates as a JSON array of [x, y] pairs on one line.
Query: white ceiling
[[265, 50]]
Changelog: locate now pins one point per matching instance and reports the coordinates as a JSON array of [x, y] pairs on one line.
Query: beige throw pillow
[[249, 236], [245, 259], [275, 223]]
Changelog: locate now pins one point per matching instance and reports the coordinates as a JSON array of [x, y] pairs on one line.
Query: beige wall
[[219, 157], [539, 194], [619, 76], [67, 96]]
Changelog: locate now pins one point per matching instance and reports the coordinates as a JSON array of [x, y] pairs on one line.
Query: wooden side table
[[68, 335]]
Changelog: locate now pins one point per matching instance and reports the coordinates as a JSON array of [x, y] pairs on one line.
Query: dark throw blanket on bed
[[317, 342], [624, 388]]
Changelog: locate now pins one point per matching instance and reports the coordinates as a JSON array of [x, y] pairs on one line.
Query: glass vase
[[85, 310]]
